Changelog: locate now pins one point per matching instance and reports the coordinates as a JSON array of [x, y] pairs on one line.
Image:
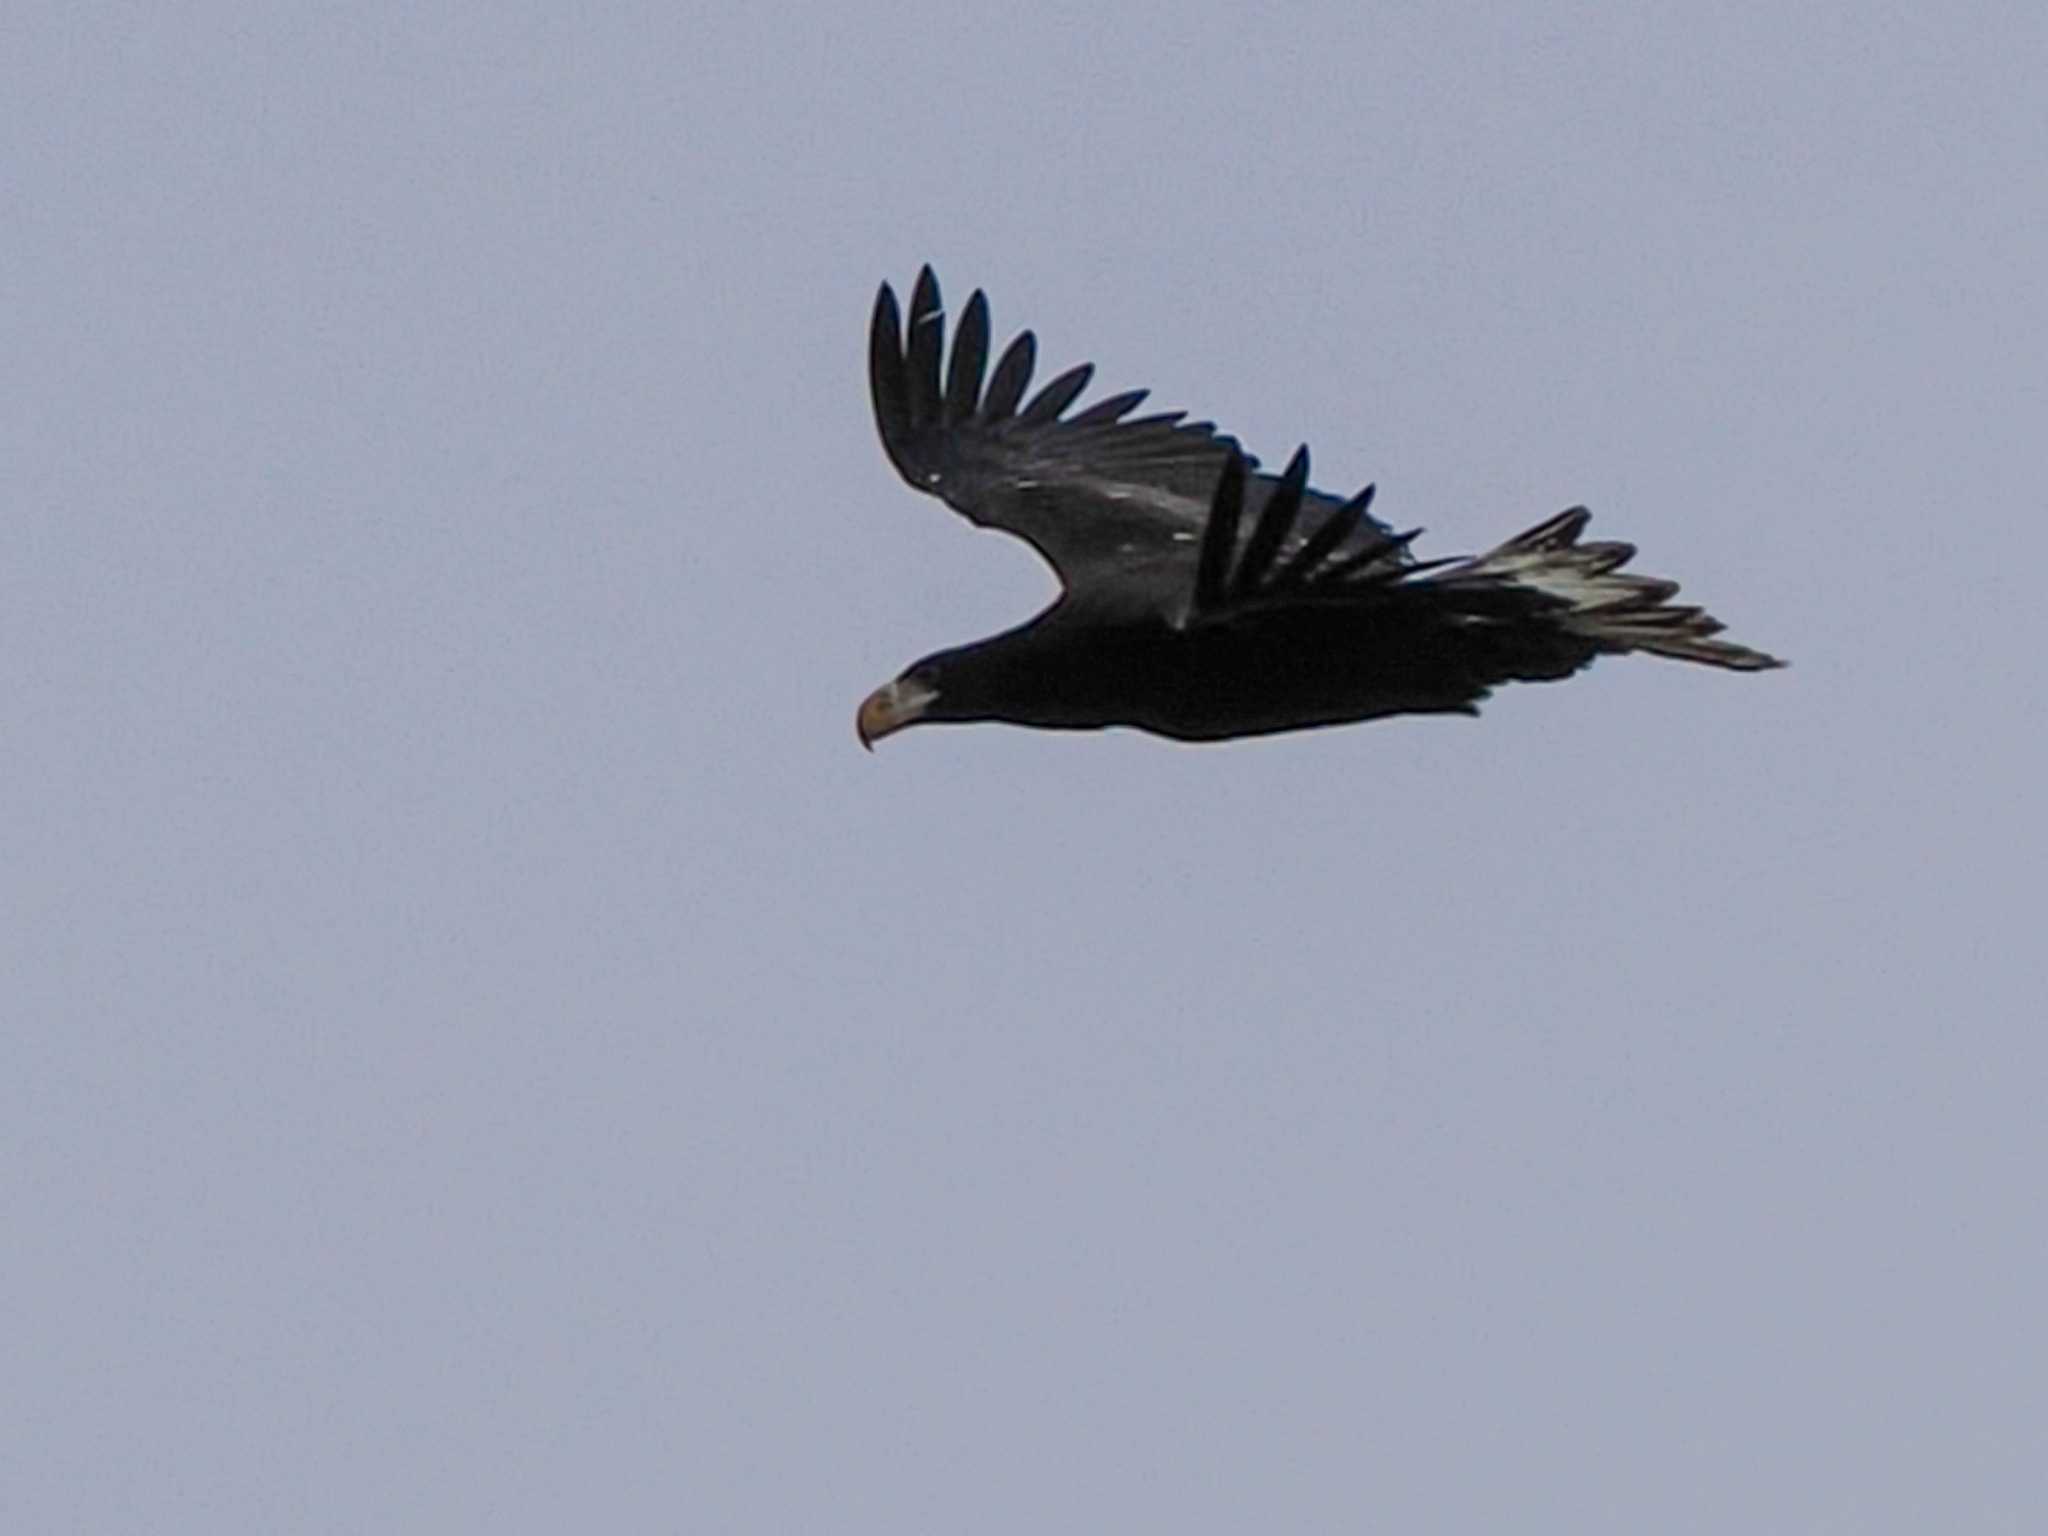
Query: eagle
[[1203, 598]]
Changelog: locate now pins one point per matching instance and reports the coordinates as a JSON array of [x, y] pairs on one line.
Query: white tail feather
[[1619, 612]]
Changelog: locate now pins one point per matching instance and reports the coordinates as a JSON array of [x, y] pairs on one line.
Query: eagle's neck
[[1060, 671]]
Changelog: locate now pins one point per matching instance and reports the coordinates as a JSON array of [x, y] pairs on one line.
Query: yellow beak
[[890, 708]]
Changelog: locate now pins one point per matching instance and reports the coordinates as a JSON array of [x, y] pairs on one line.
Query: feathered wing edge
[[1588, 593], [921, 395], [1330, 565]]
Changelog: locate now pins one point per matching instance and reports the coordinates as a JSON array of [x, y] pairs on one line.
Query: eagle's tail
[[1617, 612]]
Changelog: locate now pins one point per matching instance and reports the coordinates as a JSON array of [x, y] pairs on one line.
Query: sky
[[485, 1050]]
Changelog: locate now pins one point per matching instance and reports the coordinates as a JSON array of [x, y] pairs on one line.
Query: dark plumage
[[1203, 599]]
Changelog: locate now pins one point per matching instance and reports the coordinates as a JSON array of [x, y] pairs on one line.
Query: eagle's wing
[[1104, 496]]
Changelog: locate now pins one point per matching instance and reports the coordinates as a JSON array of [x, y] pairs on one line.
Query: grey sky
[[485, 1050]]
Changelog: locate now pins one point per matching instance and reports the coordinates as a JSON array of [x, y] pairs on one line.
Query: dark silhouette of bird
[[1203, 599]]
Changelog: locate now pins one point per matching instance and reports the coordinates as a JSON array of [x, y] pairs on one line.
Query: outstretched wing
[[1101, 494]]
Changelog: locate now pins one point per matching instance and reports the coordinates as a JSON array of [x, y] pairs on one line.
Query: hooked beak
[[891, 707]]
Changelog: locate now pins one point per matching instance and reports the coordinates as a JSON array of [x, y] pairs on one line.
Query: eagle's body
[[1203, 600]]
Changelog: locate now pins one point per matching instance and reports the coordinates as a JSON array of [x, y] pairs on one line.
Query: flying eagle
[[1202, 599]]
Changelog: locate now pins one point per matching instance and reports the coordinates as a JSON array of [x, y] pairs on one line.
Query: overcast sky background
[[485, 1050]]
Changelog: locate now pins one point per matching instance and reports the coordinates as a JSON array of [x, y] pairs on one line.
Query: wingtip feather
[[1012, 377], [1057, 395], [888, 374], [1219, 535], [1276, 521], [924, 343], [970, 357]]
